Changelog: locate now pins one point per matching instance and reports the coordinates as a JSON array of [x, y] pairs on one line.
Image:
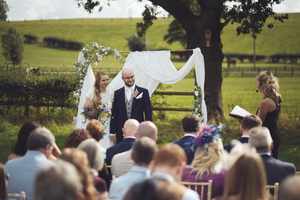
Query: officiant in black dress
[[269, 108], [129, 102]]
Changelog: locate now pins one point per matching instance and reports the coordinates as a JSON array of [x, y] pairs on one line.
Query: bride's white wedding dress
[[104, 118]]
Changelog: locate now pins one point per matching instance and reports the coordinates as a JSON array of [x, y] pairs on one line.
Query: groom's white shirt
[[129, 91]]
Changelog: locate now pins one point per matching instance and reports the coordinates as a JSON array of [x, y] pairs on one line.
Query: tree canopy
[[12, 45], [3, 10]]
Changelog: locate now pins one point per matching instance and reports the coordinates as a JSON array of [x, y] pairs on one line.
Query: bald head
[[147, 129], [130, 127], [127, 71], [128, 77]]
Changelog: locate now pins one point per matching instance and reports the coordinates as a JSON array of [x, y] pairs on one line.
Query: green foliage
[[149, 15], [12, 45], [176, 33], [60, 43], [3, 10], [136, 43], [51, 89], [251, 16], [30, 39]]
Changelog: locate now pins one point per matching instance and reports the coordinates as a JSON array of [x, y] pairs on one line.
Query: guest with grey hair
[[59, 182], [95, 157], [142, 154], [276, 170], [22, 171], [95, 153]]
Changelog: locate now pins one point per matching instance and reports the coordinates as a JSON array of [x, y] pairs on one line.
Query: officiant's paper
[[239, 112]]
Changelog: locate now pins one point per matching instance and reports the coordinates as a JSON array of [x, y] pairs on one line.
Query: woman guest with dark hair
[[269, 108], [20, 147], [246, 178], [21, 144]]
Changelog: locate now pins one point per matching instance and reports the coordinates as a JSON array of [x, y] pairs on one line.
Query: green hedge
[[60, 43], [19, 88]]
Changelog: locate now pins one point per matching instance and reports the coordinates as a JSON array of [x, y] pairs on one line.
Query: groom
[[130, 102]]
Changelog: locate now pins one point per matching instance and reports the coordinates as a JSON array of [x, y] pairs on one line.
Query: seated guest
[[59, 182], [3, 182], [20, 147], [22, 171], [122, 162], [95, 129], [151, 189], [142, 154], [76, 137], [208, 161], [129, 130], [289, 189], [95, 157], [247, 123], [276, 170], [79, 159], [246, 178], [168, 164], [21, 144], [191, 127]]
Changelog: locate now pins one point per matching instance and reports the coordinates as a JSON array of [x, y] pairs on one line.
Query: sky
[[59, 9]]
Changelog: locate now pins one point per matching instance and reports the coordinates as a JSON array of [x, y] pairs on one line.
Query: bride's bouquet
[[91, 112], [104, 113]]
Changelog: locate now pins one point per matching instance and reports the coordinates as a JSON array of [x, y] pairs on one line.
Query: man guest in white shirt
[[130, 102]]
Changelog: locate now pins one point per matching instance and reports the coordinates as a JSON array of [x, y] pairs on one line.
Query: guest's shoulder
[[112, 148], [188, 174], [124, 155], [285, 164], [14, 161], [279, 163]]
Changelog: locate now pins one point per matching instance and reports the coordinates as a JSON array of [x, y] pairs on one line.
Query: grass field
[[113, 32]]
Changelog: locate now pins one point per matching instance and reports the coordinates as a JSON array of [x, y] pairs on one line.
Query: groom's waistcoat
[[129, 106]]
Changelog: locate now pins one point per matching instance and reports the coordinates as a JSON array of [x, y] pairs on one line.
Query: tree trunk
[[211, 47]]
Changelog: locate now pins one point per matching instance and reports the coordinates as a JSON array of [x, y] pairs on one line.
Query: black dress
[[271, 123]]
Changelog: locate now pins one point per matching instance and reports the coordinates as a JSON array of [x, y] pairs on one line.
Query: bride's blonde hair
[[97, 97]]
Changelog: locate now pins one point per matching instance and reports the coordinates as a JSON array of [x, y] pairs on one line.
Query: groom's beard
[[129, 83]]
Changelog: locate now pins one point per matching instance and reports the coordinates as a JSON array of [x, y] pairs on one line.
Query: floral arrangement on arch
[[197, 108], [93, 53]]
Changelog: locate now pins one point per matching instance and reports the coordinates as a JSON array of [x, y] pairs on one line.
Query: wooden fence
[[23, 103]]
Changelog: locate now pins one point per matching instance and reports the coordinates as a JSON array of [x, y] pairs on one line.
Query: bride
[[98, 106]]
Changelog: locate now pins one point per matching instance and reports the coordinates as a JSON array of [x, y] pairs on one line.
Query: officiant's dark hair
[[24, 132], [251, 121]]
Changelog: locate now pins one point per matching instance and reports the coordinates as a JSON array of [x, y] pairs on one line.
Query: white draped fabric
[[152, 68], [86, 90]]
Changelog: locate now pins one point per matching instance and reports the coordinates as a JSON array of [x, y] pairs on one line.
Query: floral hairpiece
[[209, 134]]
